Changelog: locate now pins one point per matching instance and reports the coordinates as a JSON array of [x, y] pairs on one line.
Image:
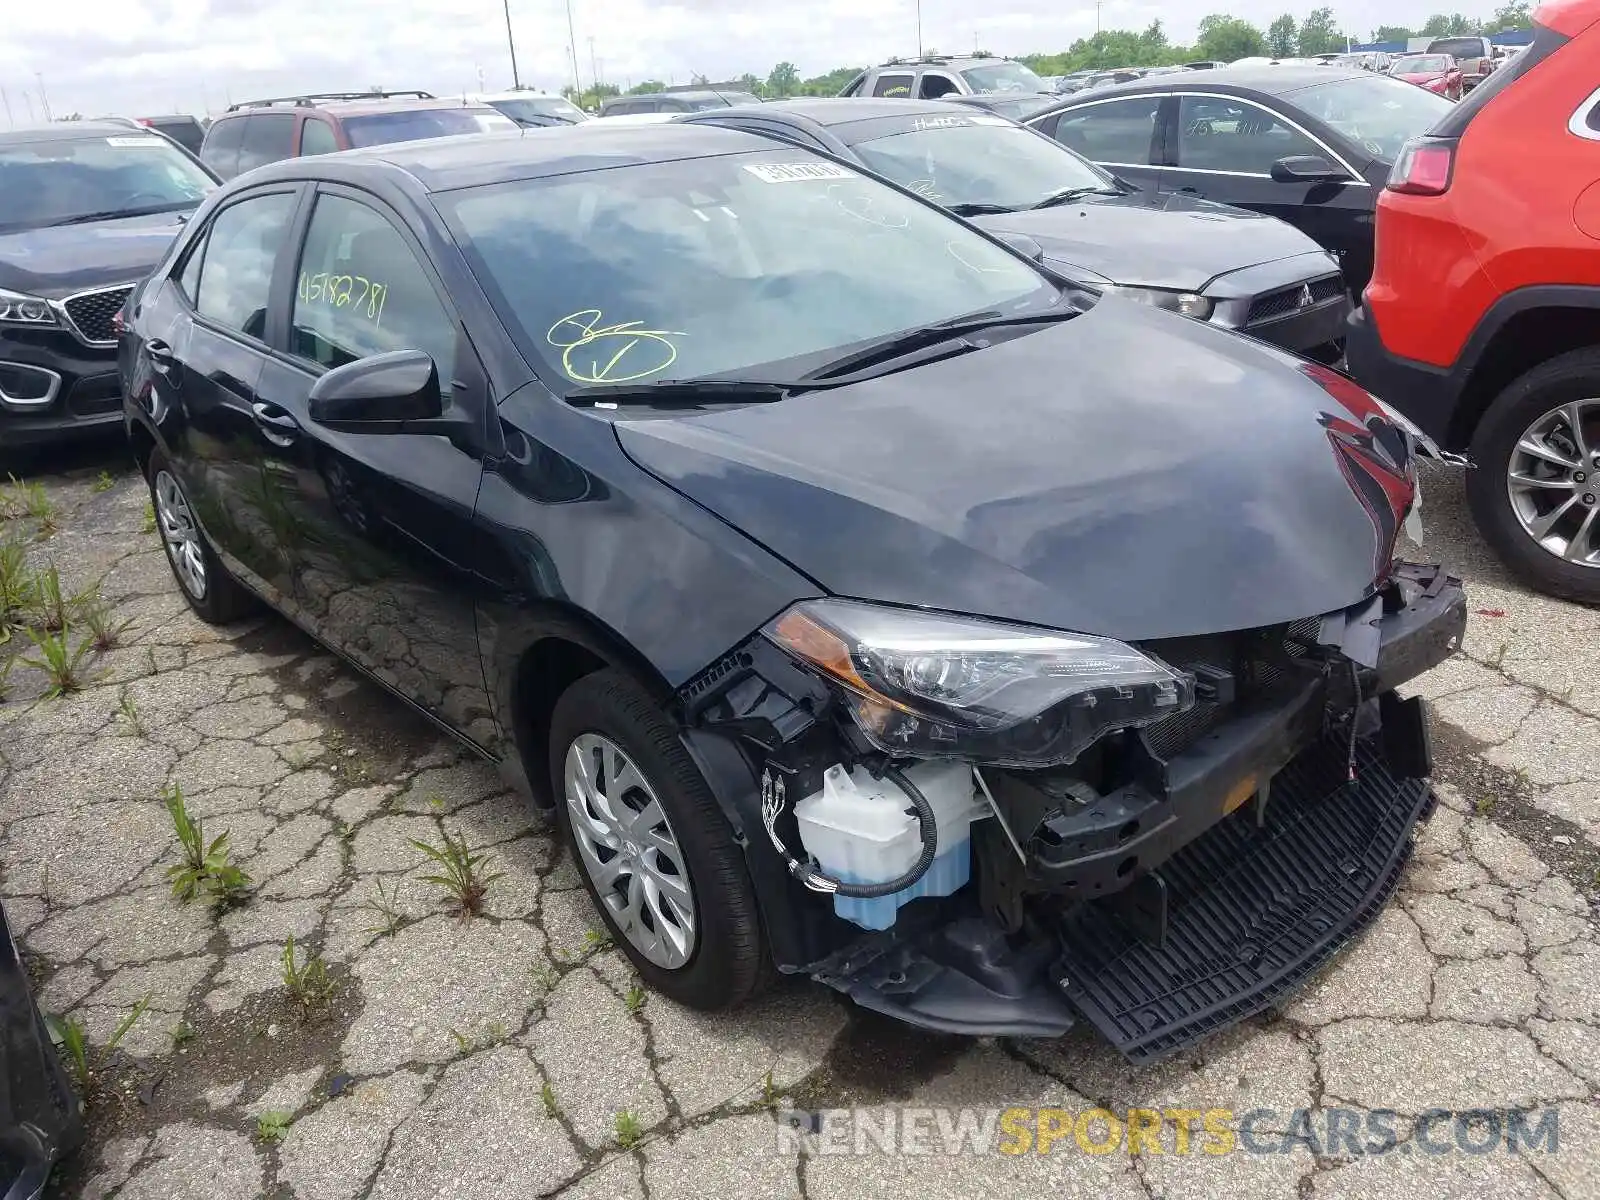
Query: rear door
[[1123, 134], [209, 362], [896, 83], [377, 543]]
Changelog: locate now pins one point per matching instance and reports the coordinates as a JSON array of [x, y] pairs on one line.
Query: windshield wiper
[[1070, 194], [978, 210], [113, 214], [953, 330], [688, 393]]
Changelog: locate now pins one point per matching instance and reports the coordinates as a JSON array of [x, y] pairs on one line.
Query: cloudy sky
[[147, 56]]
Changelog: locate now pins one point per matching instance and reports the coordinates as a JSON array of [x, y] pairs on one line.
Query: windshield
[[51, 183], [1377, 112], [414, 124], [689, 269], [979, 160], [1421, 64], [540, 108], [1019, 109], [1003, 77]]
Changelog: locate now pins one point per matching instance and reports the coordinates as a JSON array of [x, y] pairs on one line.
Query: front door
[[377, 542]]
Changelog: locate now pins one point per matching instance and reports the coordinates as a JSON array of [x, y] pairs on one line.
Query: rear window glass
[[410, 125], [1462, 47]]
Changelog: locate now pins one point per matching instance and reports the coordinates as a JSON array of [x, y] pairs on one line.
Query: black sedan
[[1224, 265], [86, 210], [871, 604], [1310, 144]]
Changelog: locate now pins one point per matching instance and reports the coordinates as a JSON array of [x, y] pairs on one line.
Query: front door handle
[[162, 359], [1191, 191], [276, 425]]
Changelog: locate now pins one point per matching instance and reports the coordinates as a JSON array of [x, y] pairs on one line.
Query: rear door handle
[[1191, 191], [276, 425]]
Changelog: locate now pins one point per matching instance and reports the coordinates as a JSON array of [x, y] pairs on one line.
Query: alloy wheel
[[1553, 481], [181, 534], [629, 850]]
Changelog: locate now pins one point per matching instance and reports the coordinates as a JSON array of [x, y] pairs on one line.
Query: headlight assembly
[[1188, 304], [930, 686], [19, 309]]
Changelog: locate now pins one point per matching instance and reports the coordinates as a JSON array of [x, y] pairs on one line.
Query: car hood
[[70, 258], [1180, 243], [1425, 77], [1130, 473]]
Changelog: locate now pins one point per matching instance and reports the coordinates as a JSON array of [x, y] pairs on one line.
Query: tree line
[[1219, 37]]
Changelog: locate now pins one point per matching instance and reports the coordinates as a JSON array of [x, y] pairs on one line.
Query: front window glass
[[1227, 135], [1377, 112], [1422, 64], [1116, 131], [414, 124], [979, 160], [541, 110], [78, 179], [236, 272], [691, 269], [720, 100], [1003, 77]]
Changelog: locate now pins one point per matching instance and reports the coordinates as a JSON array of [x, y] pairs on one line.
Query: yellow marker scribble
[[356, 293], [631, 353]]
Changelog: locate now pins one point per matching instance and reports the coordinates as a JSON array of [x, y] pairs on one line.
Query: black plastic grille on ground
[[1252, 912]]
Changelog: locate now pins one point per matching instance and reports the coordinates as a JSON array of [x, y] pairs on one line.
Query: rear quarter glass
[[1545, 43]]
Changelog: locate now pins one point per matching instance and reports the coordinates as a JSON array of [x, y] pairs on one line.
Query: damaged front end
[[985, 830]]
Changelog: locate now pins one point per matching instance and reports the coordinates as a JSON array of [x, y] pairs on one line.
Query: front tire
[[1534, 489], [656, 854], [216, 597]]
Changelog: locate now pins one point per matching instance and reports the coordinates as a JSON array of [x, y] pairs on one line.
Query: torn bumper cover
[[1233, 865]]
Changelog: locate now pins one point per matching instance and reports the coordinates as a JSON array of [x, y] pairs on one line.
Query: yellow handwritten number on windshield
[[597, 353]]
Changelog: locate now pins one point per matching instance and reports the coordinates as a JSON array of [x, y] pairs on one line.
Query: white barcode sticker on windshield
[[137, 142], [798, 172]]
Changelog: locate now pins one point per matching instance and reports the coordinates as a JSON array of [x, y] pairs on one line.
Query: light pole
[[511, 43], [572, 45], [594, 69], [44, 100], [919, 28]]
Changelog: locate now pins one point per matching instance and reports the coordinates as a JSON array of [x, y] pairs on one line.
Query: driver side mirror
[[386, 393], [1024, 245], [1306, 168]]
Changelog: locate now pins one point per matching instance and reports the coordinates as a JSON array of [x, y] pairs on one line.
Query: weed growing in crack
[[551, 1108], [182, 1034], [596, 940], [635, 998], [307, 983], [60, 661], [128, 714], [1485, 805], [148, 524], [52, 608], [386, 904], [5, 675], [461, 873], [545, 977], [273, 1126], [629, 1131], [769, 1091], [16, 587], [150, 666], [98, 617], [104, 482], [23, 499], [204, 867], [69, 1032]]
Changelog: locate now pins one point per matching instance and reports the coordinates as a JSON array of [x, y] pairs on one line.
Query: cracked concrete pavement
[[513, 1054]]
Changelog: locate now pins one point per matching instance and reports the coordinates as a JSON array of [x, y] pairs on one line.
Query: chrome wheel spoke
[[1573, 414], [1581, 545], [1539, 449], [1540, 527], [627, 846], [1555, 484]]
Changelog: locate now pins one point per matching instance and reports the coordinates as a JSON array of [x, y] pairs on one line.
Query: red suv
[[1482, 319], [258, 132]]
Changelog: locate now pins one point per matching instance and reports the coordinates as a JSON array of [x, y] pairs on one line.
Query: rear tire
[[728, 961], [1564, 380], [216, 597]]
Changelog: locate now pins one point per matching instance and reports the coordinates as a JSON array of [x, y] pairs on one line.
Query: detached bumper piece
[[1250, 911]]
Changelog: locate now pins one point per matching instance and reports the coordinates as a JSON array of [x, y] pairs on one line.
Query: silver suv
[[933, 76]]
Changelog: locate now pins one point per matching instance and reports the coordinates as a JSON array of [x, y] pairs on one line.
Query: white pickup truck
[[1474, 53]]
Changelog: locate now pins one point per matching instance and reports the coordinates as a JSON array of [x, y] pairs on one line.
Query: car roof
[[356, 108], [476, 159], [1269, 80], [67, 131]]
